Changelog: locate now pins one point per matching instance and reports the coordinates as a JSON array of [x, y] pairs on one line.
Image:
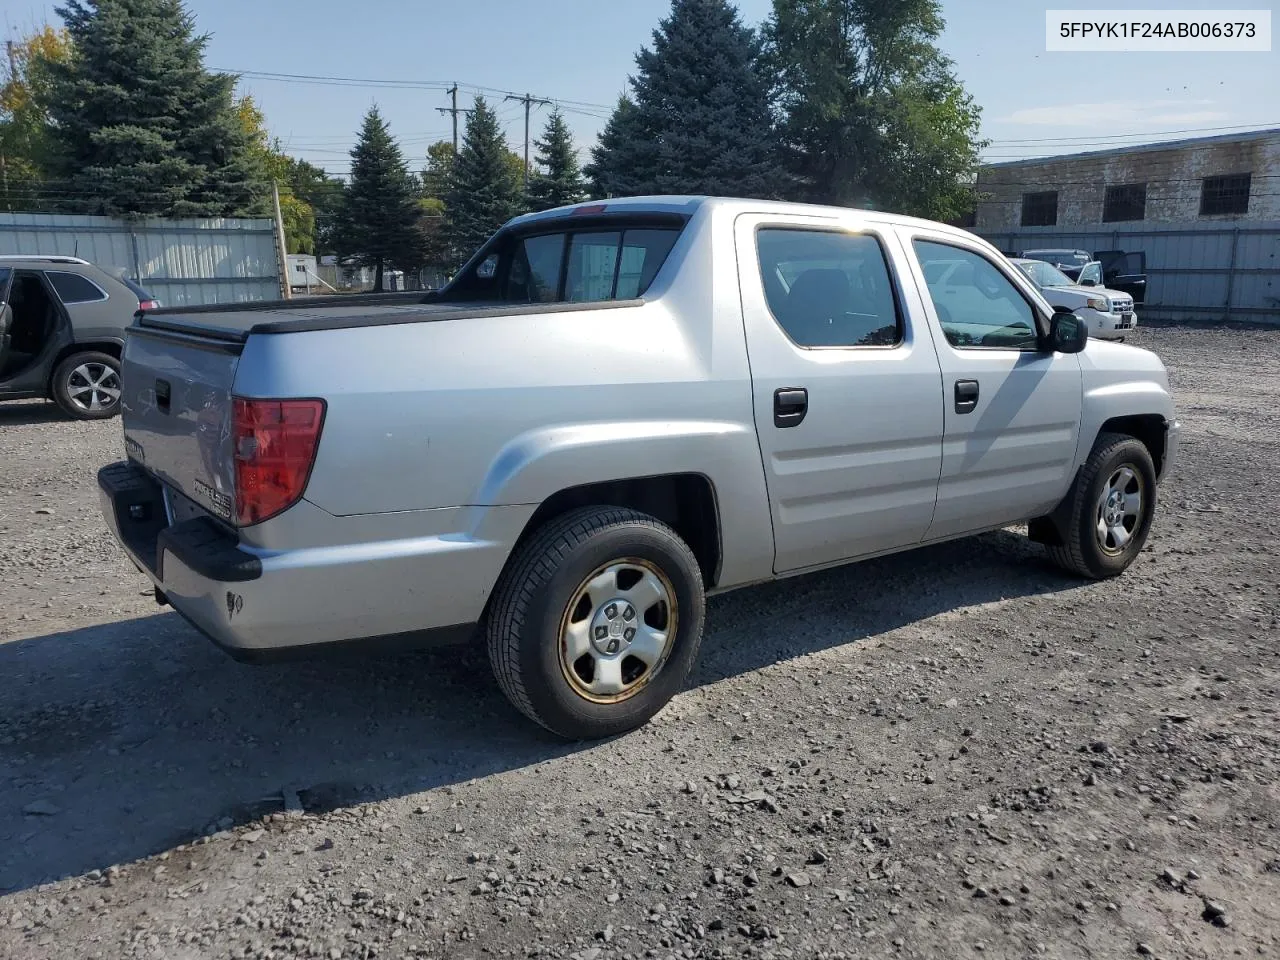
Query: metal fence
[[1210, 272], [180, 262]]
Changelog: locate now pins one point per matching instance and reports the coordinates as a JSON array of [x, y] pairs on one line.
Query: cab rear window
[[581, 265]]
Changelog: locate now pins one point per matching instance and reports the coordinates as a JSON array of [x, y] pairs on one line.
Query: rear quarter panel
[[508, 410]]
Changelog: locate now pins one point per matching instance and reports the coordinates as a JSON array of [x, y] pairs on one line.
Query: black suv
[[62, 324]]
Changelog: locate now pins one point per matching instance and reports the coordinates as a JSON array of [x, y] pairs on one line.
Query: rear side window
[[73, 288], [829, 289]]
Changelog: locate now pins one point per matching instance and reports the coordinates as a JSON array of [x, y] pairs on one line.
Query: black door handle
[[966, 396], [790, 404]]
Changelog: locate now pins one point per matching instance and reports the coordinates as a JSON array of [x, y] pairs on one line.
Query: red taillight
[[148, 304], [275, 445]]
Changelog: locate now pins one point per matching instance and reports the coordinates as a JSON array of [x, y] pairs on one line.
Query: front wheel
[[87, 385], [597, 622], [1111, 507]]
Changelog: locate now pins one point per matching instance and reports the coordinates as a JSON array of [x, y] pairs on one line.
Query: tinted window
[[829, 289], [572, 265], [534, 276], [73, 288], [643, 252], [5, 273], [593, 260], [977, 305]]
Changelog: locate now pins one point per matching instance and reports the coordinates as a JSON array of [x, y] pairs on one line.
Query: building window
[[1225, 196], [1040, 209], [1125, 202]]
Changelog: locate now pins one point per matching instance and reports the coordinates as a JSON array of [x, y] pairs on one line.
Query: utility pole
[[286, 293], [528, 100], [454, 111]]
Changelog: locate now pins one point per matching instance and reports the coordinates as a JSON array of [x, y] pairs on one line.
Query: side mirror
[[1088, 282], [1067, 332]]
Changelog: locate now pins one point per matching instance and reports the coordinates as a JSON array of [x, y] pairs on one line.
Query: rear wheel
[[1111, 507], [87, 385], [597, 622]]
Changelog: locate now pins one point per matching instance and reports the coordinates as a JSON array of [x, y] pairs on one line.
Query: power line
[[1101, 138], [392, 84]]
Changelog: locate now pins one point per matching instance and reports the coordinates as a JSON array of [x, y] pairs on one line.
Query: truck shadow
[[122, 740]]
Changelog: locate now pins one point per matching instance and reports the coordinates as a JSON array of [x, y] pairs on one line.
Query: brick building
[[1224, 179]]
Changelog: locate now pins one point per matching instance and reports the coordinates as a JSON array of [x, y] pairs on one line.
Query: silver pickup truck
[[614, 410]]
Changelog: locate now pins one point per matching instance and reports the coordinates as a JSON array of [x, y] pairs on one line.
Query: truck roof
[[688, 205]]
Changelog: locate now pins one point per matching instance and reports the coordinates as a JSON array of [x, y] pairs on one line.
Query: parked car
[[62, 324], [1109, 313], [614, 410]]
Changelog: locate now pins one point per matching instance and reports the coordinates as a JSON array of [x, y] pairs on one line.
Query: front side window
[[829, 289], [977, 305], [73, 288], [1091, 274]]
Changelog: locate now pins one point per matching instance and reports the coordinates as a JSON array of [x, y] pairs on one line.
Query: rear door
[[846, 390], [1012, 409]]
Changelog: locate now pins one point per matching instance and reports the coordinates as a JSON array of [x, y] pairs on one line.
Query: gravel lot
[[956, 752]]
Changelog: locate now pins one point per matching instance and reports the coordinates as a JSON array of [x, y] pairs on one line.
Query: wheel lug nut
[[611, 611], [601, 632], [629, 634]]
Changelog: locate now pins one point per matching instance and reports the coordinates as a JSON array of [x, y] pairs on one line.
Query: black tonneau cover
[[233, 323]]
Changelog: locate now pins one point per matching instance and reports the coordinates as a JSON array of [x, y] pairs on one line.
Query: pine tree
[[872, 110], [380, 210], [484, 189], [145, 130], [624, 158], [558, 182], [702, 121]]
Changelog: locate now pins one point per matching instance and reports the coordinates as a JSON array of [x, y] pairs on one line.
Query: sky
[[580, 52]]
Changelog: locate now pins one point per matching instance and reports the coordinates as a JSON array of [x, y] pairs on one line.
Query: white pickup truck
[[614, 410]]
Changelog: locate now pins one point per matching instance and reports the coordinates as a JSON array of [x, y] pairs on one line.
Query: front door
[[848, 402], [1012, 408]]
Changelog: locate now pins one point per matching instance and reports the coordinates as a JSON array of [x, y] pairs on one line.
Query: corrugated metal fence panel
[[180, 262], [1195, 271]]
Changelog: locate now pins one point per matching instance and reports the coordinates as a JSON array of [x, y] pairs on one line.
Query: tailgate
[[176, 410]]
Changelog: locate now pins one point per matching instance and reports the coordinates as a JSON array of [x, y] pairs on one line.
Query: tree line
[[846, 102]]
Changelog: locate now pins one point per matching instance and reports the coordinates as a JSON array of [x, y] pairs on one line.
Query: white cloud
[[1128, 112]]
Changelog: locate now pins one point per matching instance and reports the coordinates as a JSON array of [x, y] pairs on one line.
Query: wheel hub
[[613, 627]]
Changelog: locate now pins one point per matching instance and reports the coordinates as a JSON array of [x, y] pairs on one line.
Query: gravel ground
[[956, 752]]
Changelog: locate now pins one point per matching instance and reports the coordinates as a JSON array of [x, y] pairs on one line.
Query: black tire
[[531, 604], [1083, 551], [68, 379]]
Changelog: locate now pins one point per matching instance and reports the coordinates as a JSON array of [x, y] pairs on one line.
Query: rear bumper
[[257, 603]]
